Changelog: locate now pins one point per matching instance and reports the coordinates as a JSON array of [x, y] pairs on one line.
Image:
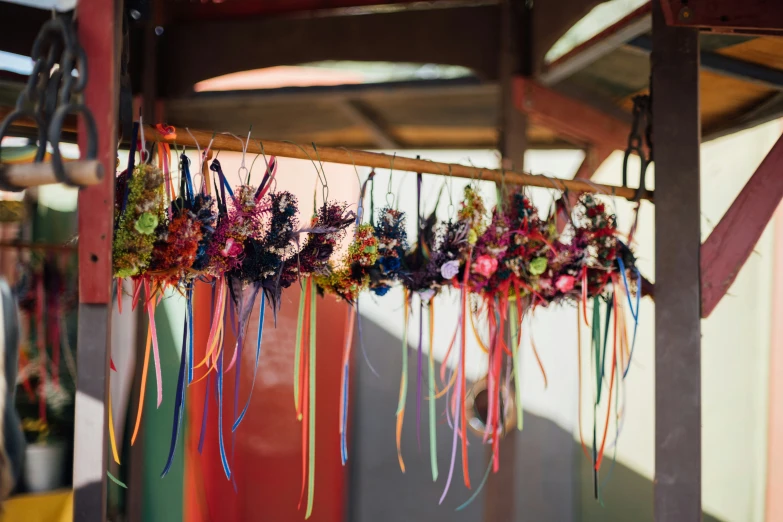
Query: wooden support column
[[513, 122], [677, 133], [501, 497], [100, 35]]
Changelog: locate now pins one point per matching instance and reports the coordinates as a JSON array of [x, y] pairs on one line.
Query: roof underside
[[741, 82]]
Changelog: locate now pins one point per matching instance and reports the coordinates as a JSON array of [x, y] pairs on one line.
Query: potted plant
[[47, 438]]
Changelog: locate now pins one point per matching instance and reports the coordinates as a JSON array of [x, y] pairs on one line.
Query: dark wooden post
[[500, 498], [514, 46], [100, 35], [677, 134]]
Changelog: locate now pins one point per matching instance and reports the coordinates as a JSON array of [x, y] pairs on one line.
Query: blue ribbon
[[188, 179], [223, 458], [215, 167], [238, 421], [344, 420], [634, 312]]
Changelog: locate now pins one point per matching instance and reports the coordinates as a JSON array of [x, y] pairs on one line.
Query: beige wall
[[735, 345]]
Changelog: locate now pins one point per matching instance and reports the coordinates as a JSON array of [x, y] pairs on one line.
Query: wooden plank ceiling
[[742, 80], [742, 77]]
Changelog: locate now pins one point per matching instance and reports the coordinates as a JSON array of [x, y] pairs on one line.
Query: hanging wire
[[311, 161], [201, 159], [389, 192], [267, 171], [244, 151], [324, 181], [360, 205], [450, 209]]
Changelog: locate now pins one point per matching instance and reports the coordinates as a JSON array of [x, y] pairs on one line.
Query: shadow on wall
[[553, 478], [626, 496]]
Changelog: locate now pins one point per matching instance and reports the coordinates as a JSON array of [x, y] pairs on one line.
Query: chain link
[[640, 141], [54, 91]]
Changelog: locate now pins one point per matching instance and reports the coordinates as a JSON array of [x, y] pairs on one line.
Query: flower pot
[[43, 466]]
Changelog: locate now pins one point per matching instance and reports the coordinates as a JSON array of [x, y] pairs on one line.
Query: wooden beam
[[254, 8], [19, 25], [726, 16], [377, 160], [765, 111], [634, 24], [25, 175], [503, 492], [551, 20], [677, 133], [436, 36], [732, 241], [594, 158], [726, 66], [574, 120], [512, 122], [362, 115], [100, 35]]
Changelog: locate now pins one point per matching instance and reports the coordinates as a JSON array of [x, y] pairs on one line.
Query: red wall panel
[[265, 456]]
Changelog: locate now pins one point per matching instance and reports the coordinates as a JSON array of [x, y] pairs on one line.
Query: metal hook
[[198, 148], [244, 149], [324, 181], [389, 192]]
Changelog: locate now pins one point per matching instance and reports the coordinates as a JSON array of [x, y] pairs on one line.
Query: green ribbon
[[311, 427], [512, 320], [298, 347], [432, 406]]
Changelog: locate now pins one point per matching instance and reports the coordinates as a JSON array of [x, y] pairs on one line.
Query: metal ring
[[475, 418], [55, 129]]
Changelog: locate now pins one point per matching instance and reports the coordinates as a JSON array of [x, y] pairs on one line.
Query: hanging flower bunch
[[242, 222], [392, 244], [327, 229], [263, 257], [422, 275], [139, 209], [351, 277]]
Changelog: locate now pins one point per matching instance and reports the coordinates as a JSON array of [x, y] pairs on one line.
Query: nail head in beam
[[25, 175], [377, 160]]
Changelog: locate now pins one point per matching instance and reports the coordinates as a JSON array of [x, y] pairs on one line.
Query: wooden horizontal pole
[[25, 175], [44, 247], [376, 160]]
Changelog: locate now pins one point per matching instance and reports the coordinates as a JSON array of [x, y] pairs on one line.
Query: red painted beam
[[726, 16], [732, 241], [99, 38], [594, 158], [100, 34], [572, 119]]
